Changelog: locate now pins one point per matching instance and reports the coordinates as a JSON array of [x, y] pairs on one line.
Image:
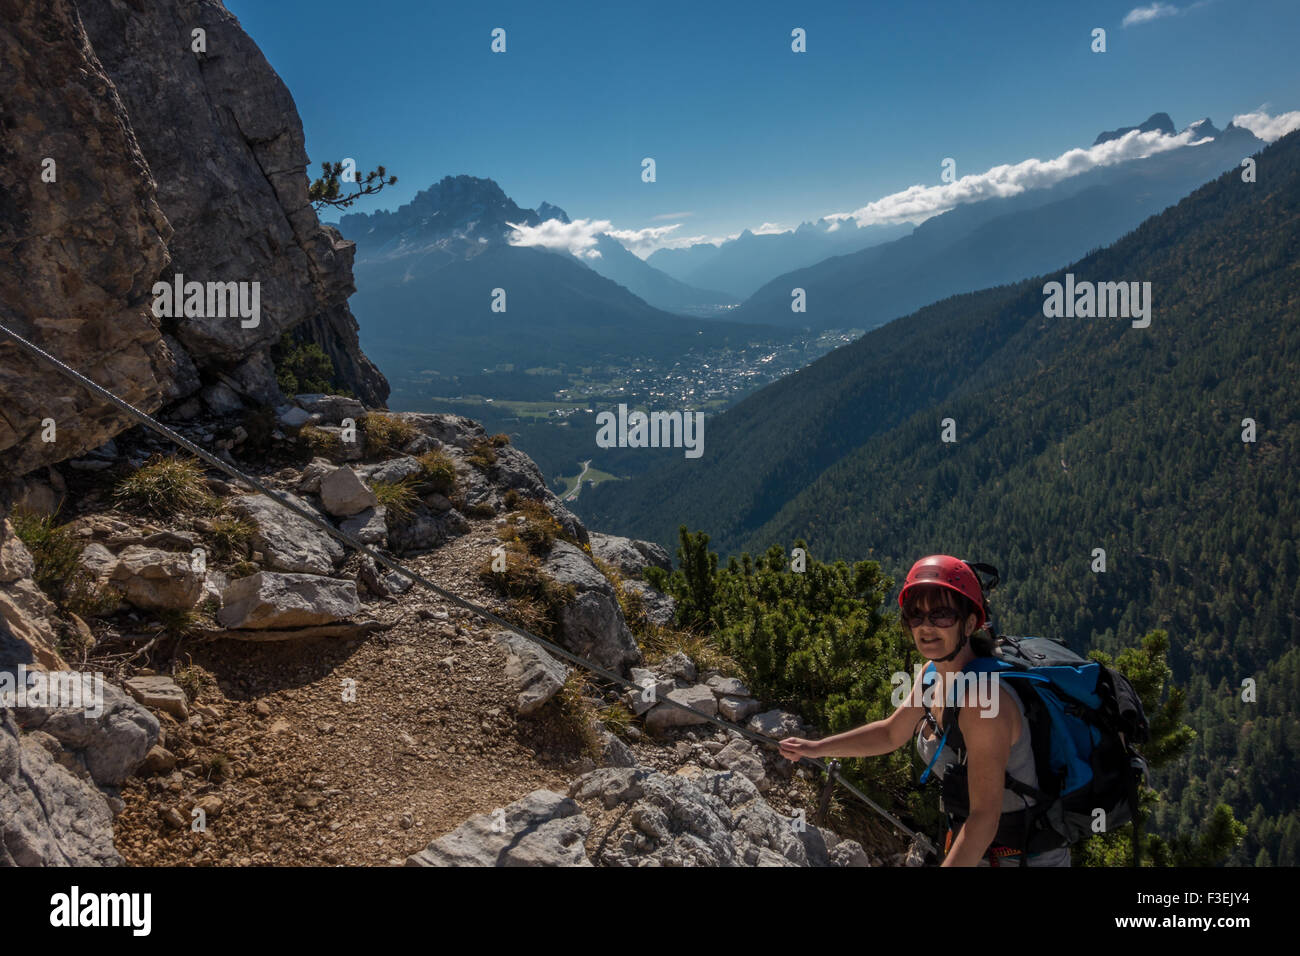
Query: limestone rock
[[48, 817], [777, 724], [592, 623], [331, 408], [629, 556], [344, 494], [289, 542], [536, 674], [270, 600], [542, 829], [369, 526], [160, 693], [157, 580], [698, 698]]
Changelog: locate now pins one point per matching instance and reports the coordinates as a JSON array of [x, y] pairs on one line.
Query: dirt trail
[[316, 780]]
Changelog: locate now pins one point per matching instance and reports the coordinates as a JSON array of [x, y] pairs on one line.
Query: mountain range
[[998, 240]]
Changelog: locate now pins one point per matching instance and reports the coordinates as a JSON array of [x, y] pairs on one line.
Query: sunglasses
[[939, 617]]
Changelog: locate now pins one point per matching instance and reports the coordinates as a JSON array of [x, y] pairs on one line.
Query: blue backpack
[[1085, 722]]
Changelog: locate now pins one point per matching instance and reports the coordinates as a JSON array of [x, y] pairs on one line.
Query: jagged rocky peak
[[464, 207], [1155, 122], [547, 212], [1203, 128], [158, 168]]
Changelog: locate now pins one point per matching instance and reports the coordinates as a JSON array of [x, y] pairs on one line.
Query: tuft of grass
[[228, 537], [191, 680], [499, 440], [54, 549], [617, 718], [539, 529], [480, 509], [176, 621], [578, 713], [482, 454], [511, 499], [243, 569], [386, 433], [319, 442], [536, 600], [84, 598], [168, 485], [439, 471], [398, 497], [658, 643], [217, 766]]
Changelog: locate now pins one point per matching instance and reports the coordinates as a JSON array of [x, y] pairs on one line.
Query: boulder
[[536, 674], [395, 469], [288, 542], [291, 416], [271, 600], [331, 408], [736, 709], [309, 483], [159, 693], [591, 624], [344, 494], [629, 556], [48, 817], [157, 580], [678, 665], [542, 829], [777, 724], [702, 819], [424, 531], [699, 698], [727, 686], [741, 756], [110, 740], [369, 526]]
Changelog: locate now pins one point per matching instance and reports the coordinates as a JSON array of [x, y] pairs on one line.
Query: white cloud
[[672, 215], [1269, 128], [769, 229], [577, 237], [645, 240], [1147, 14], [918, 203]]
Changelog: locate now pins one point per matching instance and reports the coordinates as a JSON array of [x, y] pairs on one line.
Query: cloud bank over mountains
[[916, 203]]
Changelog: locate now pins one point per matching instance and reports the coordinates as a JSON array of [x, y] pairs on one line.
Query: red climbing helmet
[[947, 572]]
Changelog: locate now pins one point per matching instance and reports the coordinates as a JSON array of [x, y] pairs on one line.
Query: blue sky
[[743, 130]]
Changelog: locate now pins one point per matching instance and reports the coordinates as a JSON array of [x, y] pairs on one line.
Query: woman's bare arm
[[869, 740]]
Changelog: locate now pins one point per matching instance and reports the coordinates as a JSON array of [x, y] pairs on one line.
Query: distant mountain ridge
[[987, 243]]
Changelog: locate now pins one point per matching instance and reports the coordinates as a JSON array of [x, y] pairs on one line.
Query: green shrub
[[54, 549], [304, 367]]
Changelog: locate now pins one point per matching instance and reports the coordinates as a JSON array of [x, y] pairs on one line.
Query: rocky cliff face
[[127, 157]]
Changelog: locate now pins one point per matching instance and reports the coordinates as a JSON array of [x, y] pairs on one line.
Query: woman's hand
[[793, 748]]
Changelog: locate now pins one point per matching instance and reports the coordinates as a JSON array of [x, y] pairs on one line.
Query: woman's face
[[935, 642]]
